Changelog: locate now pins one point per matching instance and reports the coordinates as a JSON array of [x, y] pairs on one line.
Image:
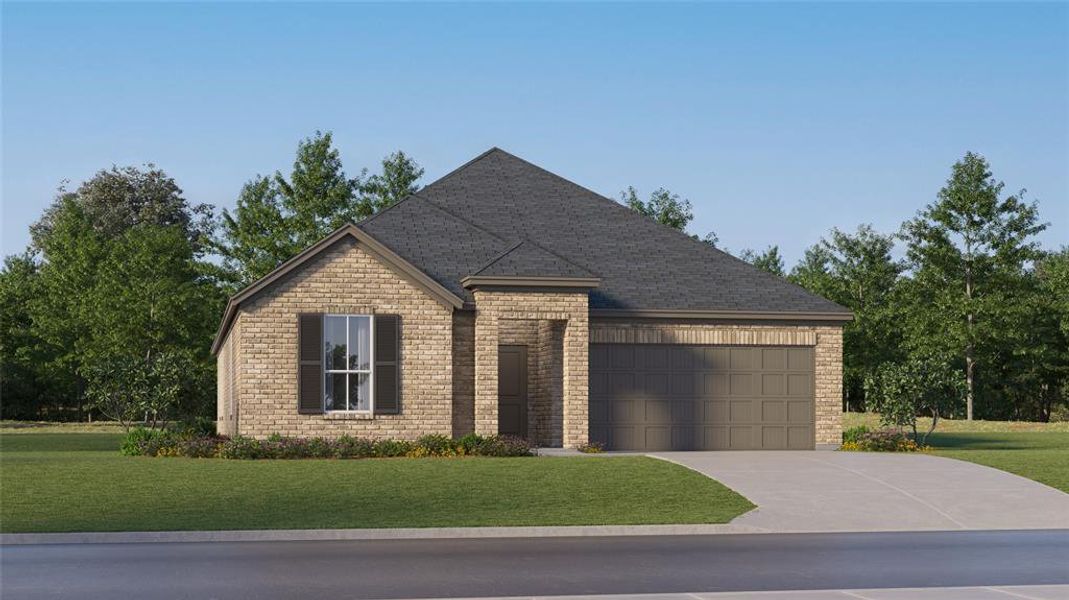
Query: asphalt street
[[533, 566]]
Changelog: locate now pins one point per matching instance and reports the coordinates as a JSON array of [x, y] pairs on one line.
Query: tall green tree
[[966, 253], [663, 206], [857, 270], [768, 261], [104, 276], [276, 217]]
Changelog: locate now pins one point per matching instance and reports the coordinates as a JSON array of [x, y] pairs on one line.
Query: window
[[349, 379]]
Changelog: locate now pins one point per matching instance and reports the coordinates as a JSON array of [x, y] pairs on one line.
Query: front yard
[[1038, 451], [77, 481]]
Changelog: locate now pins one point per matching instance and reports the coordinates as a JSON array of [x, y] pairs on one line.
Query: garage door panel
[[800, 359], [741, 384], [774, 359], [659, 397], [773, 411], [799, 411], [773, 438], [799, 438], [799, 384], [773, 384]]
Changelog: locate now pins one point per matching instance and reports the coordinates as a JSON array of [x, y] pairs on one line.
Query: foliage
[[853, 434], [128, 389], [663, 206], [276, 217], [884, 440], [967, 253], [768, 261], [900, 392], [193, 444], [592, 448], [857, 271]]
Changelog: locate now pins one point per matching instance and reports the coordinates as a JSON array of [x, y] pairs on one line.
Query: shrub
[[241, 448], [592, 448], [436, 445], [142, 441], [854, 433], [884, 440], [469, 444], [391, 448], [504, 445], [350, 447]]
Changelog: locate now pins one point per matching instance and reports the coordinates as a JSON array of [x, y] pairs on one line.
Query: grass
[[1038, 451], [77, 481]]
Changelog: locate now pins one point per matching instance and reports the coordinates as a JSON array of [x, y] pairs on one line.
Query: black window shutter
[[387, 364], [310, 364]]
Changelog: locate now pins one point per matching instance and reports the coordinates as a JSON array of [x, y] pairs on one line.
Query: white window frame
[[370, 371]]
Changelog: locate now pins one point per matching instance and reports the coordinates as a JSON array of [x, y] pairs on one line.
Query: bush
[[436, 445], [159, 442], [592, 448], [854, 434], [884, 440]]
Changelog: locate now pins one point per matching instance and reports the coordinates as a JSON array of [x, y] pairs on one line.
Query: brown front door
[[512, 390]]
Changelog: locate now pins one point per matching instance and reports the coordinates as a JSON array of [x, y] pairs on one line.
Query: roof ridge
[[458, 217], [479, 157], [498, 257]]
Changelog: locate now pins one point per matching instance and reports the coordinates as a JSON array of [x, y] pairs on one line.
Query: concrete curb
[[308, 535]]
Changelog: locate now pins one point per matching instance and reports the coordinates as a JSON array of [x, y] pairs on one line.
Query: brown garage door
[[675, 397]]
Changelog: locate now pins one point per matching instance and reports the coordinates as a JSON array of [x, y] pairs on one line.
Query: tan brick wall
[[226, 383], [827, 342], [463, 373], [493, 309], [344, 279]]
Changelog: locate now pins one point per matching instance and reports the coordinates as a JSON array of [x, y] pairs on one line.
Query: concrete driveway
[[856, 491]]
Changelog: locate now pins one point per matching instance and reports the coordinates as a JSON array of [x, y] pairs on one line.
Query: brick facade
[[449, 357], [344, 279], [495, 312]]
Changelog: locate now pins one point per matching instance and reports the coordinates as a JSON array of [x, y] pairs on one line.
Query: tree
[[966, 253], [918, 386], [663, 206], [277, 217], [857, 271], [115, 200], [128, 389], [122, 282], [769, 261]]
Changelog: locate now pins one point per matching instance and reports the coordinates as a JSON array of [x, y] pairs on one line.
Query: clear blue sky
[[778, 121]]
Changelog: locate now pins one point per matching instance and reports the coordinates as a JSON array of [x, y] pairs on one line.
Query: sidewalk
[[1016, 592]]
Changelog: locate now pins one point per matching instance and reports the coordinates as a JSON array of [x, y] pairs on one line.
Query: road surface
[[533, 566]]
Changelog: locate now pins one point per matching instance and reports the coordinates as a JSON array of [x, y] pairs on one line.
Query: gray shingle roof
[[501, 215]]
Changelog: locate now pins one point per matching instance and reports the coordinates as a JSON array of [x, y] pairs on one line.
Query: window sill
[[348, 416]]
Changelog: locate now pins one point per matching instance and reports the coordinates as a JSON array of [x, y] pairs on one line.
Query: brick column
[[575, 376], [829, 387], [486, 340]]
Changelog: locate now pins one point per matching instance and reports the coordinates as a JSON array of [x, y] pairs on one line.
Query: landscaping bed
[[54, 482]]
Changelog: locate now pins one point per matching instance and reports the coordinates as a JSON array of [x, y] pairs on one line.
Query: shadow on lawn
[[999, 441]]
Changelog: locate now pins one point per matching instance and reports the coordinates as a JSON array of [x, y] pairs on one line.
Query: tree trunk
[[969, 363]]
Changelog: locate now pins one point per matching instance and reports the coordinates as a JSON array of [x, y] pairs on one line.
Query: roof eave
[[476, 281], [375, 247], [724, 315]]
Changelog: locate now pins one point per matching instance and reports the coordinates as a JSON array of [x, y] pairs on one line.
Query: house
[[505, 299]]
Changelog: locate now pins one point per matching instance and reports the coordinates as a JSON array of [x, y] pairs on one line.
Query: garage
[[691, 397]]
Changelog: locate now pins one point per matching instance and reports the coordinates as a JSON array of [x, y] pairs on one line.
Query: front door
[[512, 390]]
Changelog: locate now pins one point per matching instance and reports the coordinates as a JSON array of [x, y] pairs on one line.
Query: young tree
[[277, 217], [769, 261], [663, 206], [918, 386], [966, 252], [857, 271]]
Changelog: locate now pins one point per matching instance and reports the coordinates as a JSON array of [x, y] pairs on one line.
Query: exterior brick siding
[[344, 279]]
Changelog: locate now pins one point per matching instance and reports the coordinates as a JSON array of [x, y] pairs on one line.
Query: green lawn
[[78, 482], [1038, 451], [1042, 456]]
